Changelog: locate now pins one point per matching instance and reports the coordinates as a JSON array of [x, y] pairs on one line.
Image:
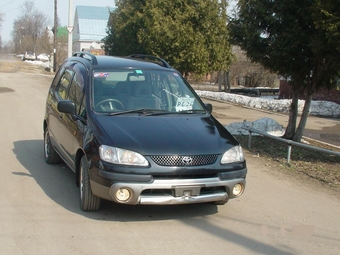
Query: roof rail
[[151, 58], [83, 54]]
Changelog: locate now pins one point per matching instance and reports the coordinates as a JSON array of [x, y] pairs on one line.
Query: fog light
[[238, 189], [123, 194]]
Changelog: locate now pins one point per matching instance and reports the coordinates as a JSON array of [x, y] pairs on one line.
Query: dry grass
[[322, 167]]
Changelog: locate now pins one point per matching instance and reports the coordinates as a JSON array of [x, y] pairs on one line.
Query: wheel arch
[[44, 125], [79, 155]]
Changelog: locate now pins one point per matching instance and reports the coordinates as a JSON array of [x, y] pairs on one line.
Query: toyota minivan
[[135, 132]]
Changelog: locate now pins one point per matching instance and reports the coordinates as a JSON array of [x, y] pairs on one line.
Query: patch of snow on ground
[[266, 125], [43, 64], [318, 108]]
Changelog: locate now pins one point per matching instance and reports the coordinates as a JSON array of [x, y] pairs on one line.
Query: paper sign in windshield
[[184, 104]]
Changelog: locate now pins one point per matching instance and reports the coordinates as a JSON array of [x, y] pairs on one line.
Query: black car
[[135, 132]]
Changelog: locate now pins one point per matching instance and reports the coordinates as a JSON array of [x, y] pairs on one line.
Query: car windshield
[[154, 90]]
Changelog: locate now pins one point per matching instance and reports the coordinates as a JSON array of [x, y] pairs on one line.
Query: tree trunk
[[225, 81], [219, 79], [293, 113], [303, 120]]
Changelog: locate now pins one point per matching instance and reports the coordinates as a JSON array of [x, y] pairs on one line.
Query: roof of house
[[93, 22]]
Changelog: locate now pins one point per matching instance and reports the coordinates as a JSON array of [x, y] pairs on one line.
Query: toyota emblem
[[187, 160]]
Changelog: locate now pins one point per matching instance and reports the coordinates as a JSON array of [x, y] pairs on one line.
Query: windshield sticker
[[139, 72], [101, 75], [184, 104]]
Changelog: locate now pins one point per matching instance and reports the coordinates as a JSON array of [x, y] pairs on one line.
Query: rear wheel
[[51, 156], [88, 202]]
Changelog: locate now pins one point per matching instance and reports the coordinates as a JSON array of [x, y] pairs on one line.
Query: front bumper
[[165, 192]]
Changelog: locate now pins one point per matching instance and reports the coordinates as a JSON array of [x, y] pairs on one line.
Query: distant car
[[135, 132], [43, 57], [29, 56]]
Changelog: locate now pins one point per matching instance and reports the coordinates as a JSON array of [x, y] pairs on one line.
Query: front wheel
[[88, 202], [51, 156]]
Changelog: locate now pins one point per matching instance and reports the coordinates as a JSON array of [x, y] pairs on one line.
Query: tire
[[51, 156], [88, 202]]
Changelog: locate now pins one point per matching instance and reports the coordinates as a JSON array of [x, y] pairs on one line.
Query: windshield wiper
[[153, 112], [144, 111]]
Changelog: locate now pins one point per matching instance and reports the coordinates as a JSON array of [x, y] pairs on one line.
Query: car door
[[62, 127], [58, 121], [74, 128]]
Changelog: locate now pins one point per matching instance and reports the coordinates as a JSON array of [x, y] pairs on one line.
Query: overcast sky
[[11, 10]]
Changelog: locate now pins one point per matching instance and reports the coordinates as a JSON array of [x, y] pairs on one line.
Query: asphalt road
[[39, 210]]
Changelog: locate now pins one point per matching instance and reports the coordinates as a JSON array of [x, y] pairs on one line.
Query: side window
[[64, 84], [82, 110], [57, 77], [76, 92]]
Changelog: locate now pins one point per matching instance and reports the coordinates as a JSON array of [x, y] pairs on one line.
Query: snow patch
[[318, 108], [265, 125]]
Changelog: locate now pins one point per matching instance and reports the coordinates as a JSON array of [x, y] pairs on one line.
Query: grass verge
[[322, 167]]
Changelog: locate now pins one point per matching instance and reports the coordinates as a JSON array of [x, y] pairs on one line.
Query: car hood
[[166, 135]]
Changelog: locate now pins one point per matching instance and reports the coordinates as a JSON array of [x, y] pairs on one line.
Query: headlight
[[121, 156], [232, 155]]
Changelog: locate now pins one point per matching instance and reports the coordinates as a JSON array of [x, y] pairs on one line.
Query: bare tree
[[246, 73], [61, 49], [1, 20], [28, 28]]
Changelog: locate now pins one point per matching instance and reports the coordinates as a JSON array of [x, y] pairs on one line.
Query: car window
[[76, 92], [64, 83], [120, 90], [82, 110], [57, 77]]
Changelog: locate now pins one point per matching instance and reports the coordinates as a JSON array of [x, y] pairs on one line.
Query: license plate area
[[187, 191]]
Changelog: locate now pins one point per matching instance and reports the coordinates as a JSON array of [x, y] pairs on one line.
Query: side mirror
[[209, 107], [67, 106]]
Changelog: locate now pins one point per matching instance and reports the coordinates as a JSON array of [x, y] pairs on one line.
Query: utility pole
[[55, 31], [70, 28]]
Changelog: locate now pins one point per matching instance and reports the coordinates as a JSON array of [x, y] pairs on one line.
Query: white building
[[90, 26]]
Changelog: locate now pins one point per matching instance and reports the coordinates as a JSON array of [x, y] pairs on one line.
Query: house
[[90, 24], [323, 94]]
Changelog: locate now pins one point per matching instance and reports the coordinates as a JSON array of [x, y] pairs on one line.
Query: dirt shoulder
[[309, 168], [12, 64]]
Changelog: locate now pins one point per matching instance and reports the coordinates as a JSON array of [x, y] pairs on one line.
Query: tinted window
[[64, 84], [76, 92], [117, 90], [57, 77]]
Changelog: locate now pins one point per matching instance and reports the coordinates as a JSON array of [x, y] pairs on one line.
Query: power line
[[12, 10], [49, 8], [7, 3]]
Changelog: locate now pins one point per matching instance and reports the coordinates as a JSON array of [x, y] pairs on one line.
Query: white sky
[[11, 10]]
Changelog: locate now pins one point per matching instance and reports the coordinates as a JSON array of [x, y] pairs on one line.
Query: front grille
[[185, 176], [199, 160], [171, 192]]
